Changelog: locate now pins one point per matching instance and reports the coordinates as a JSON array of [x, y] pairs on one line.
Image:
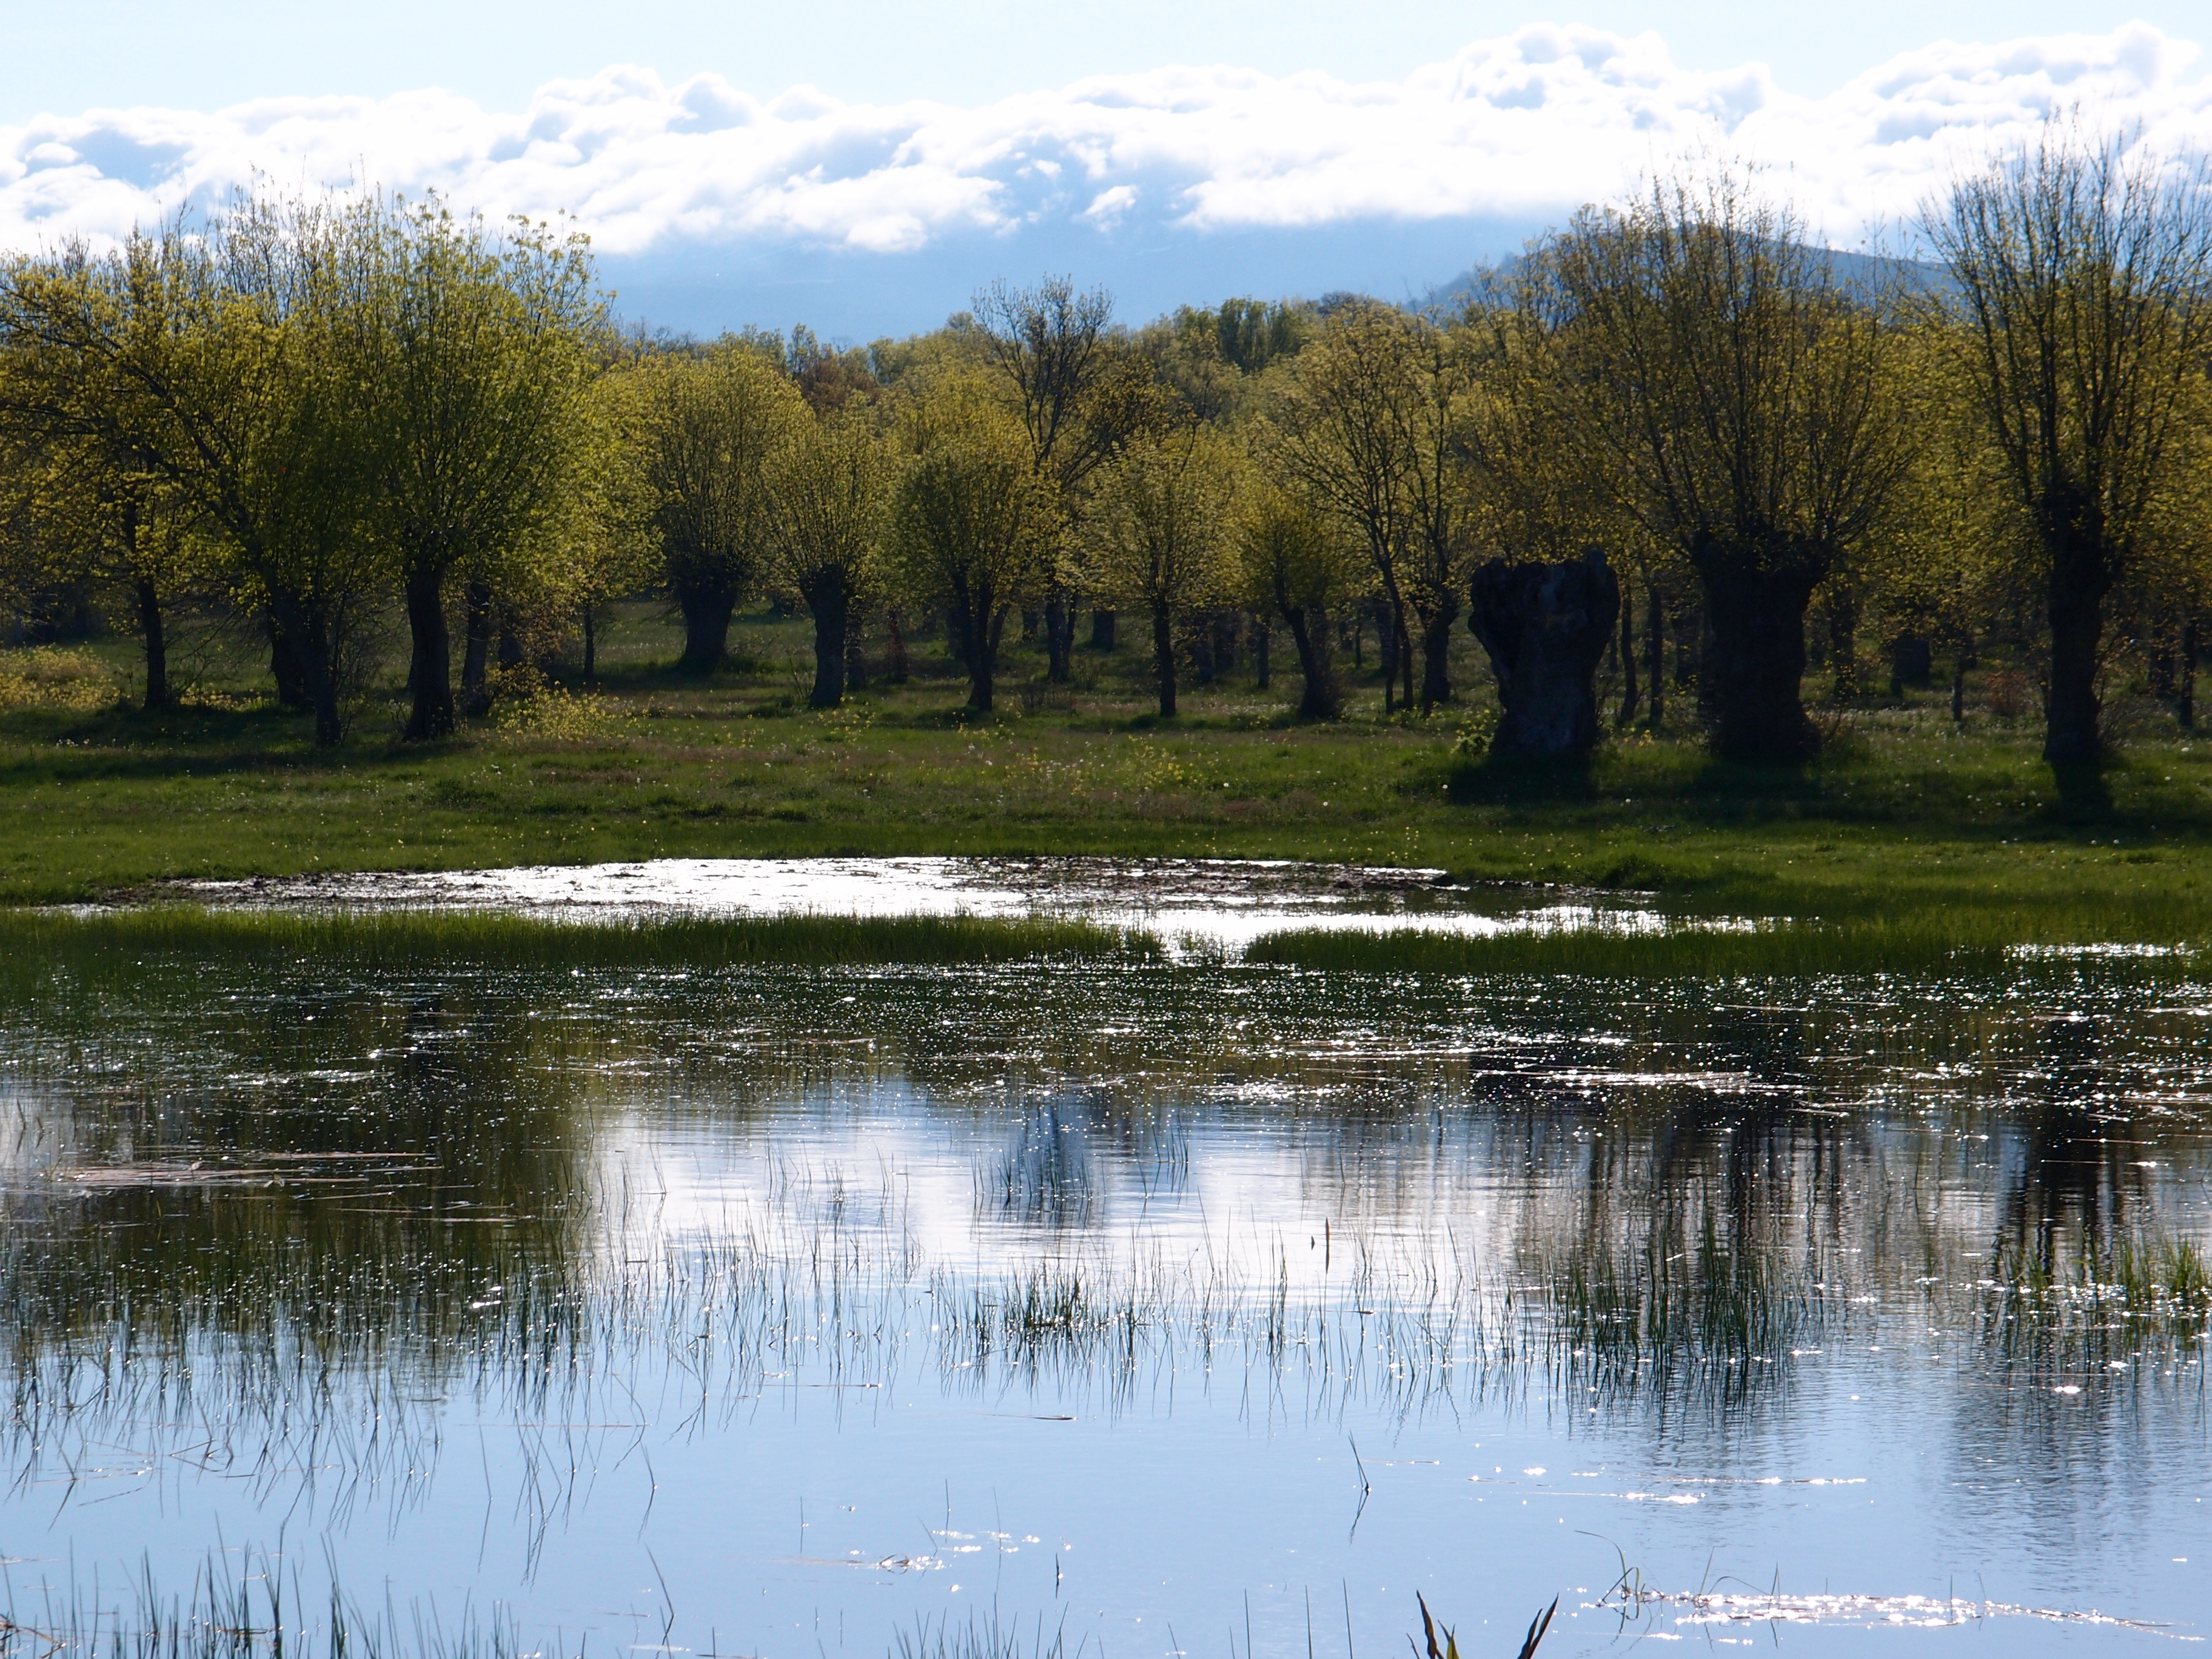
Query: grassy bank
[[1904, 814]]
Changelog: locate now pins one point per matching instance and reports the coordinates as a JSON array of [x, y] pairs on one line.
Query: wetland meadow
[[687, 1244]]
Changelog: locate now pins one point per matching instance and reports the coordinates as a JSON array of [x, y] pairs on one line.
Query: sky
[[865, 167]]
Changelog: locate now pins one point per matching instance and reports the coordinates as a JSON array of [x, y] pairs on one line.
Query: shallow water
[[1186, 1308], [1186, 902]]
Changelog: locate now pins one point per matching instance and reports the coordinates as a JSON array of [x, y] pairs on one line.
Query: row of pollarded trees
[[2025, 429], [314, 409], [329, 411]]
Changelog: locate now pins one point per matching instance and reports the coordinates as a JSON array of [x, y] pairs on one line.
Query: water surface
[[1176, 1307]]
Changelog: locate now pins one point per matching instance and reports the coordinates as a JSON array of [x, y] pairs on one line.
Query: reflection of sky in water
[[1218, 901], [860, 1153]]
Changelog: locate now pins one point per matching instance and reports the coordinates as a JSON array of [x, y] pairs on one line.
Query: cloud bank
[[704, 179]]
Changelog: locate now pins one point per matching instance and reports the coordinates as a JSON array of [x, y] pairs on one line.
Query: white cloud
[[1521, 127]]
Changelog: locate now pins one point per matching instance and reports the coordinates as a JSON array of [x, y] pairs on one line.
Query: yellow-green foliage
[[55, 676]]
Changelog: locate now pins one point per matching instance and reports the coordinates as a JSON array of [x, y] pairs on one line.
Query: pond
[[1178, 1305]]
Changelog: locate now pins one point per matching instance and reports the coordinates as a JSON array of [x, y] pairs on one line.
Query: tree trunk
[[591, 652], [510, 646], [707, 611], [1386, 648], [1435, 655], [1262, 636], [1755, 601], [1844, 644], [1224, 643], [430, 673], [1101, 631], [476, 644], [827, 599], [2080, 578], [1544, 626], [157, 644], [1202, 650], [856, 667], [1655, 654], [2184, 689], [1323, 699], [1629, 695], [983, 661], [284, 665], [309, 637], [1059, 639], [1163, 662], [896, 638]]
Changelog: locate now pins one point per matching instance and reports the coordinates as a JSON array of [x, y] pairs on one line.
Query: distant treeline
[[1673, 422]]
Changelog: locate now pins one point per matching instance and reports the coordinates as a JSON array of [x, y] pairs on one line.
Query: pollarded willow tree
[[231, 361], [2082, 270], [1078, 394], [1160, 529], [482, 367], [1735, 384], [827, 504], [707, 424], [1295, 563], [1345, 421], [973, 527]]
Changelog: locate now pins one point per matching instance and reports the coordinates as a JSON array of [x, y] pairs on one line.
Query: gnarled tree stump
[[1545, 626]]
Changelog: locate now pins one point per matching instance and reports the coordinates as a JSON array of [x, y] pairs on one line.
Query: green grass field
[[1904, 816]]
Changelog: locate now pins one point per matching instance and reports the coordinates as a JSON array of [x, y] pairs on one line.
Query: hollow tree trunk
[[1756, 594], [430, 673], [476, 644], [1545, 626], [827, 599], [157, 644], [1163, 662]]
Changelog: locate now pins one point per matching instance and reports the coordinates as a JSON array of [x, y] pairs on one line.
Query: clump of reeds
[[419, 937], [983, 1637], [1980, 942]]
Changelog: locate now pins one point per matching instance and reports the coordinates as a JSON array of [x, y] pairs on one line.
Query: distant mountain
[[1149, 268], [1853, 270]]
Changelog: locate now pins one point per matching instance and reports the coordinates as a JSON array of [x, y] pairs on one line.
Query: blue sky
[[865, 167]]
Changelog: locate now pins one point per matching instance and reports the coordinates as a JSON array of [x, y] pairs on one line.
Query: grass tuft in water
[[1992, 941], [409, 939]]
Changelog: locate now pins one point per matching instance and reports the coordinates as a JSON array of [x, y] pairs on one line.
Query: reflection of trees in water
[[1674, 1188]]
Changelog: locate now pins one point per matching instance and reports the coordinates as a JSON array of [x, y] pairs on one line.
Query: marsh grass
[[249, 1605], [1985, 942], [429, 937]]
